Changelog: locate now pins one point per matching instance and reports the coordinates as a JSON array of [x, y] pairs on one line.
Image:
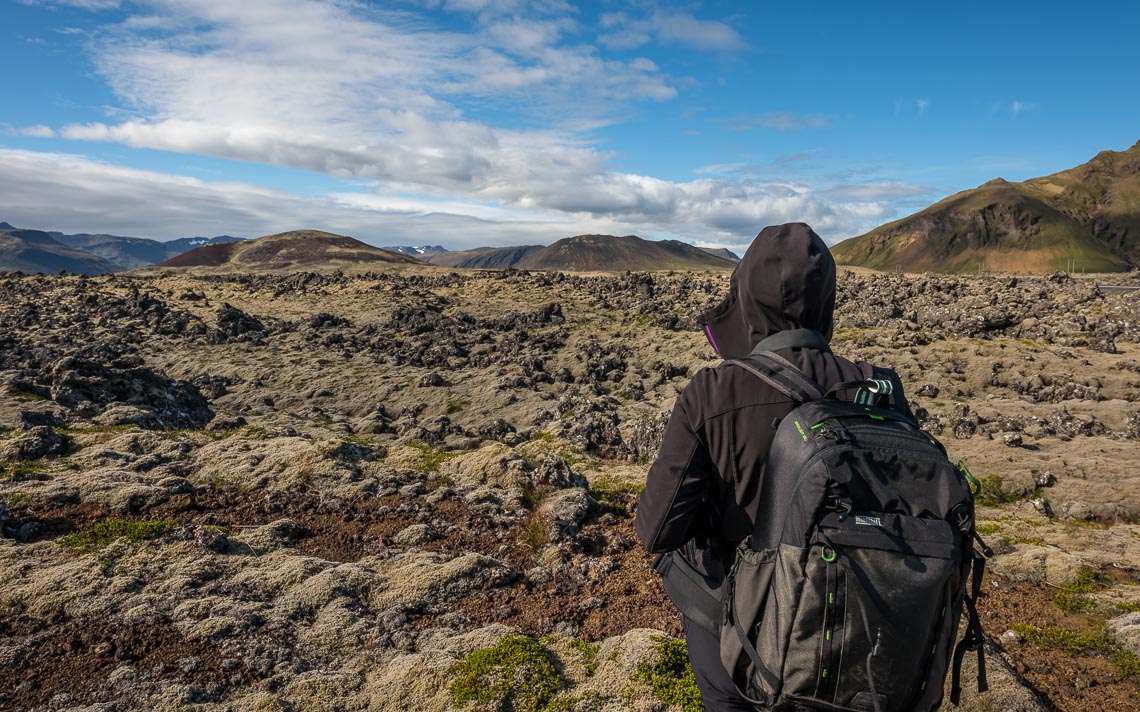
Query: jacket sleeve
[[678, 484]]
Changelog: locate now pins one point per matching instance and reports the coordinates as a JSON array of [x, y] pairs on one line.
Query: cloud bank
[[390, 97]]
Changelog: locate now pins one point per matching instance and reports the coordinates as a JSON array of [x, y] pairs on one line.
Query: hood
[[785, 281]]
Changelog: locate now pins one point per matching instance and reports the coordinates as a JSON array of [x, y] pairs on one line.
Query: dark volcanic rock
[[89, 388], [39, 441], [644, 439], [232, 324]]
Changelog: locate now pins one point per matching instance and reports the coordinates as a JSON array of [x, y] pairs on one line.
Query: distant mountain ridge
[[415, 251], [135, 252], [35, 251], [590, 253], [287, 250], [121, 252], [1084, 218]]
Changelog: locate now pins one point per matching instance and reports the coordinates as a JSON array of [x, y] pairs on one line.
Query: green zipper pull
[[975, 485]]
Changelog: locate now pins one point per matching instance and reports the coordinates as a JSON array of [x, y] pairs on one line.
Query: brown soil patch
[[1066, 682], [76, 659]]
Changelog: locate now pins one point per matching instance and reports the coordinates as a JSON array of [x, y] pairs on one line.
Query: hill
[[484, 257], [590, 253], [288, 250], [35, 251], [1086, 218]]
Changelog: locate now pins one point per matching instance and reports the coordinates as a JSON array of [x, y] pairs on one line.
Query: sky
[[502, 122]]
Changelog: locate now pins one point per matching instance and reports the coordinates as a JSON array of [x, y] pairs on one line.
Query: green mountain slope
[[1085, 218]]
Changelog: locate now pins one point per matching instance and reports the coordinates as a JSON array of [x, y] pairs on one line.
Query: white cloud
[[921, 105], [81, 4], [361, 93], [624, 31], [38, 131], [81, 195], [75, 194]]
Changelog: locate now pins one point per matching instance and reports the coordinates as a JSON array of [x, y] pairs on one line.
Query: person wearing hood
[[702, 492]]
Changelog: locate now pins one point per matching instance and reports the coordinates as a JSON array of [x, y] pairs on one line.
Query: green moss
[[592, 701], [589, 653], [1126, 663], [670, 677], [517, 675], [109, 530], [1087, 581], [430, 457], [988, 529], [1072, 597], [255, 432], [1098, 641], [17, 500], [1128, 607], [614, 491], [456, 406], [221, 483], [23, 396], [18, 470], [992, 494], [1073, 602]]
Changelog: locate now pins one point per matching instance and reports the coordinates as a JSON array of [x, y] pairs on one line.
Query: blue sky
[[478, 122]]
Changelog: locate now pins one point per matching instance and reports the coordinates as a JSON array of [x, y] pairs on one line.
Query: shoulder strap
[[781, 374]]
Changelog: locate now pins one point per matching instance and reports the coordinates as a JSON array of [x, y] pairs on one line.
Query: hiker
[[702, 492]]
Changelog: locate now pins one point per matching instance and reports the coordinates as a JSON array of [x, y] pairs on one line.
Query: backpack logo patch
[[868, 521]]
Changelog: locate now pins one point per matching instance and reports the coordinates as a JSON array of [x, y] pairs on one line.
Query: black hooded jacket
[[702, 491]]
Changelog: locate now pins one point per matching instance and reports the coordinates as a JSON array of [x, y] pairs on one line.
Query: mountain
[[416, 251], [484, 257], [721, 252], [589, 253], [288, 250], [34, 251], [134, 252], [184, 244], [1086, 218]]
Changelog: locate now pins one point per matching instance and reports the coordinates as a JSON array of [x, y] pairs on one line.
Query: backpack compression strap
[[974, 639], [781, 374]]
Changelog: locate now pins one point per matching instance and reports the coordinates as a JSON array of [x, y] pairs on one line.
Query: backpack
[[849, 591]]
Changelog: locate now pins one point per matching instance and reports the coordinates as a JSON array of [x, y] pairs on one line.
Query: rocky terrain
[[414, 489], [1083, 219]]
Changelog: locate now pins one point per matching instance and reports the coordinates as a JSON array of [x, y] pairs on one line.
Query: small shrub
[[535, 534], [454, 407], [109, 530], [615, 492], [517, 674], [671, 677], [1072, 596]]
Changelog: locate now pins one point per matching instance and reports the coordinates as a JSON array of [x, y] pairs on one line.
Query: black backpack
[[848, 593]]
